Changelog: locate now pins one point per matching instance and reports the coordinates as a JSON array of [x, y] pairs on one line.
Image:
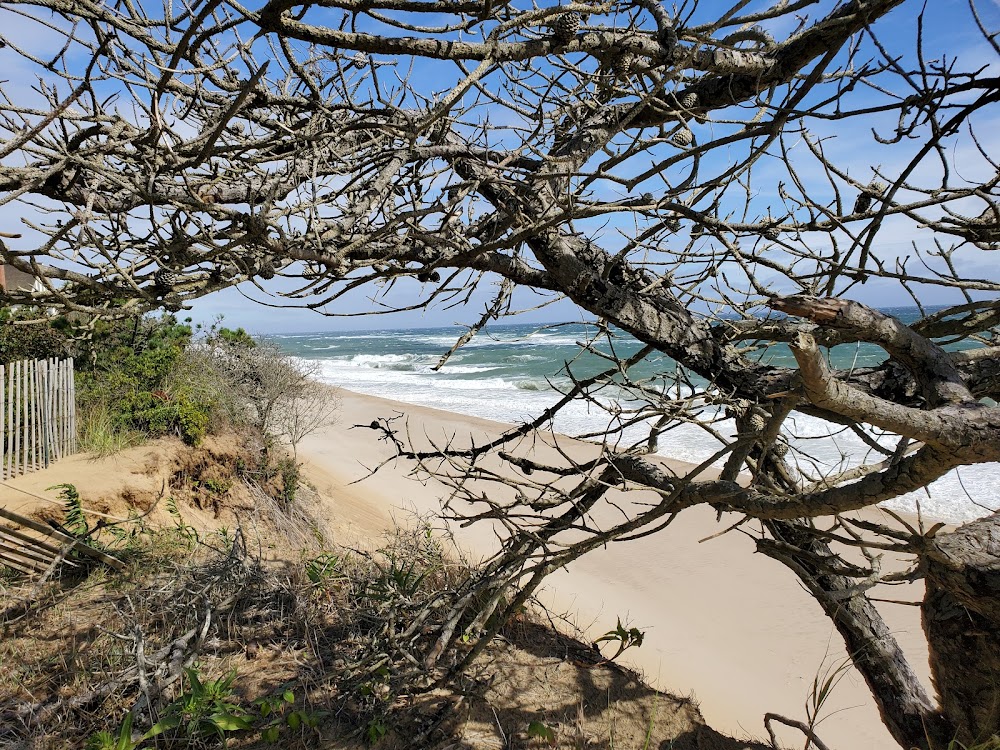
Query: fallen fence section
[[32, 548]]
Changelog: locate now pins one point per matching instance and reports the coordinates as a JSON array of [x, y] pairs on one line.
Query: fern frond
[[73, 519]]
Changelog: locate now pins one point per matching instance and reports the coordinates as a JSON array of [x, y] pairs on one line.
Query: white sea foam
[[517, 398], [548, 339]]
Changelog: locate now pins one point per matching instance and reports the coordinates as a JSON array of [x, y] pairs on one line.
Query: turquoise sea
[[511, 373]]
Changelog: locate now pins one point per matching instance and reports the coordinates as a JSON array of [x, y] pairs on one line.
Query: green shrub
[[29, 341], [239, 337], [193, 420], [289, 470], [122, 381]]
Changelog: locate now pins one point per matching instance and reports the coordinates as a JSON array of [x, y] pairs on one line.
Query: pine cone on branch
[[682, 138], [165, 279], [738, 408], [267, 269], [625, 65], [566, 27], [876, 189]]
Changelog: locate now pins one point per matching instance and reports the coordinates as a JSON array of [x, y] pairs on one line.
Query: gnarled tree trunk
[[961, 613]]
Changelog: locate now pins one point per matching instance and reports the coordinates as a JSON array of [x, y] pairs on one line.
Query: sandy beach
[[731, 627]]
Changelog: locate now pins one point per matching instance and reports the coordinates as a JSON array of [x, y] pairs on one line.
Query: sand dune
[[733, 627]]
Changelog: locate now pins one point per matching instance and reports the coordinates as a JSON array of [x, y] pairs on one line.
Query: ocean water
[[512, 373]]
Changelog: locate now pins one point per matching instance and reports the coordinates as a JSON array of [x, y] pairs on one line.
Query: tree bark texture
[[907, 711], [961, 614]]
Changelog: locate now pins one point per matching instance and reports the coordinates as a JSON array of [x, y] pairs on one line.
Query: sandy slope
[[732, 626]]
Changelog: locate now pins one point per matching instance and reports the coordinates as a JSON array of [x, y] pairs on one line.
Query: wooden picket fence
[[38, 412]]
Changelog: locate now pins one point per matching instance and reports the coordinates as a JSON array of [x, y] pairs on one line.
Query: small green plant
[[396, 579], [224, 536], [377, 689], [539, 731], [206, 710], [289, 470], [217, 486], [273, 711], [120, 740], [825, 681], [192, 421], [74, 521], [652, 724], [625, 637], [186, 531], [208, 713], [322, 567], [376, 730]]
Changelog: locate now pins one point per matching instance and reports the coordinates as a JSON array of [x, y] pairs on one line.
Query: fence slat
[[11, 466], [36, 402], [34, 542], [61, 537], [29, 413], [14, 547], [47, 409], [54, 454], [67, 373], [6, 425], [16, 406], [72, 401], [20, 565], [59, 403], [69, 405]]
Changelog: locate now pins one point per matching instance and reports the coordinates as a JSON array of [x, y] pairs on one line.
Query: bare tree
[[255, 383], [671, 171]]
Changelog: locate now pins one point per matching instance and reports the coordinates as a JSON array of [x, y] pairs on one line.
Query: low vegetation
[[155, 376], [148, 376]]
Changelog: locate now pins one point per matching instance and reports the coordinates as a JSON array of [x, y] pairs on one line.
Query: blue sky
[[949, 29]]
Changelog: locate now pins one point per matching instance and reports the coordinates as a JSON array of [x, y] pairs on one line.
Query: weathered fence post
[[6, 425]]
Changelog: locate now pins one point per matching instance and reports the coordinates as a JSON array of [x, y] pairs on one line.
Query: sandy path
[[731, 626]]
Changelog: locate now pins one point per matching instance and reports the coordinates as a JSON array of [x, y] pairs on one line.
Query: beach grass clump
[[101, 433]]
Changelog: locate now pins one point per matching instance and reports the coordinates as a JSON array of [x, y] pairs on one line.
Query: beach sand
[[731, 627]]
